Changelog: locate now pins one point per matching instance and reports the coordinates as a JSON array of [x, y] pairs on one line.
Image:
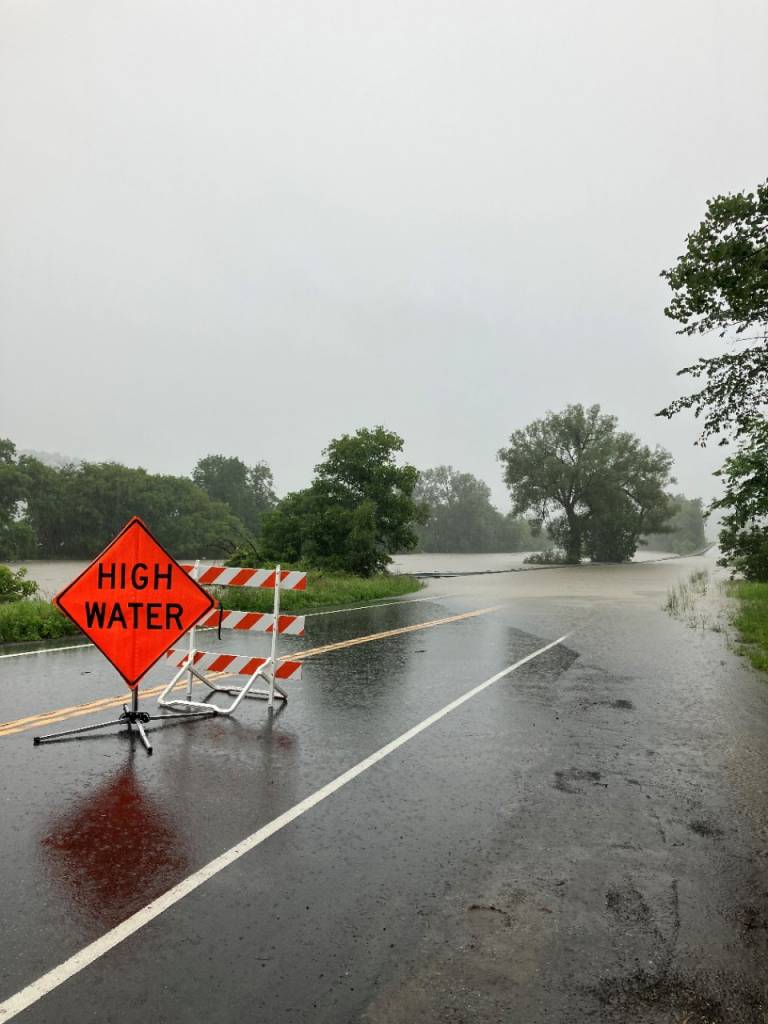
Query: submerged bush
[[552, 556], [13, 585]]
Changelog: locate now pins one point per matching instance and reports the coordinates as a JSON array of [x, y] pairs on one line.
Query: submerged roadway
[[536, 798]]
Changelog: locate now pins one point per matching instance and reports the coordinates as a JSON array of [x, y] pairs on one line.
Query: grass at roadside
[[31, 619], [751, 620], [324, 590], [23, 621]]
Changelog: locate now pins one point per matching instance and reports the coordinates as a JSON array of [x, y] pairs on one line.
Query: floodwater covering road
[[585, 838]]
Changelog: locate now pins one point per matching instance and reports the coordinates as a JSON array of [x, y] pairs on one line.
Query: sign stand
[[128, 718], [134, 601]]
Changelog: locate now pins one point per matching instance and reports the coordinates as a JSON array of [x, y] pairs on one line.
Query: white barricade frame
[[267, 669]]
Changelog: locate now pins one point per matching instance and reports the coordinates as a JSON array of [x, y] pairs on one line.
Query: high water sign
[[134, 601]]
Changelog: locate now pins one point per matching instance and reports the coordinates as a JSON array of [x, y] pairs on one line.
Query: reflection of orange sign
[[134, 601], [116, 850]]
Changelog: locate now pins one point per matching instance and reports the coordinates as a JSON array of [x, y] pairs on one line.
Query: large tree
[[720, 284], [247, 490], [359, 509], [596, 488]]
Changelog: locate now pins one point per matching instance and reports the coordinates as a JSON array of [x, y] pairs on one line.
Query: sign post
[[134, 602]]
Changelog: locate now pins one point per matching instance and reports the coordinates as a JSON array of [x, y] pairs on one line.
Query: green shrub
[[22, 621], [751, 620], [551, 556]]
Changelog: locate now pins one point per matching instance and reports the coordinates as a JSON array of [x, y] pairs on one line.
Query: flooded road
[[52, 576], [583, 839]]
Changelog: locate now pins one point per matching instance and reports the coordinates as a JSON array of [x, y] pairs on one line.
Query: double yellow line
[[48, 718]]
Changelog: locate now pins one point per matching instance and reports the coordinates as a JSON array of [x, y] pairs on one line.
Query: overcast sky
[[250, 227]]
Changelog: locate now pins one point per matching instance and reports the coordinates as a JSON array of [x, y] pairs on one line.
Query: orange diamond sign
[[134, 601]]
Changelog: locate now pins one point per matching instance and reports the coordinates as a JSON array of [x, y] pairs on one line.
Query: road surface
[[430, 832]]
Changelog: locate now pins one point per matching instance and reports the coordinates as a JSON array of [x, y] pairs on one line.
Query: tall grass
[[751, 620], [682, 597]]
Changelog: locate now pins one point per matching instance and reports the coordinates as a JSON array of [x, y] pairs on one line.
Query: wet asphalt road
[[585, 840]]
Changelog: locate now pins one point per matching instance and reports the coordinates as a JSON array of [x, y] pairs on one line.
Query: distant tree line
[[585, 487], [684, 532], [75, 510], [461, 517]]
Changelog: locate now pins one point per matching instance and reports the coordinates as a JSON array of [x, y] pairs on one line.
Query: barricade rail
[[229, 576], [197, 663]]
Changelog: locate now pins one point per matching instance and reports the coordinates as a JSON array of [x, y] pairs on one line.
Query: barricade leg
[[185, 703], [240, 693]]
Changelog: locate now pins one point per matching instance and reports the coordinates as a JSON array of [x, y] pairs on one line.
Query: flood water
[[52, 576]]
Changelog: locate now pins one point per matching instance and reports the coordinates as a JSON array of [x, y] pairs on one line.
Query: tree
[[720, 283], [744, 527], [247, 490], [596, 488], [462, 518], [359, 508], [14, 586], [684, 533], [75, 511], [17, 540]]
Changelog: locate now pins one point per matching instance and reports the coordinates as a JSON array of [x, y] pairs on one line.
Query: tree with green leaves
[[358, 510], [17, 539], [462, 518], [75, 511], [684, 532], [247, 490], [744, 526], [596, 488], [14, 586], [720, 284]]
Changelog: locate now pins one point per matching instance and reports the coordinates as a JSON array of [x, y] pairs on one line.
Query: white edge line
[[307, 615], [86, 956], [46, 650]]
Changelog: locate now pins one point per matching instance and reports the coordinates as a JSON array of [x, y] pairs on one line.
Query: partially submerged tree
[[597, 489], [720, 284]]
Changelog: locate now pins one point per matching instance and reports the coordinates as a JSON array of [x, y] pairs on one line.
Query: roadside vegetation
[[33, 619], [23, 616], [324, 590], [720, 286], [751, 620]]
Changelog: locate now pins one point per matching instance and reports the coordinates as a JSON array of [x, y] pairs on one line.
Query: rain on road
[[584, 839]]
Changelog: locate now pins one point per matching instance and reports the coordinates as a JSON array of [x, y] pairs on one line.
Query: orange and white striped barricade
[[198, 664]]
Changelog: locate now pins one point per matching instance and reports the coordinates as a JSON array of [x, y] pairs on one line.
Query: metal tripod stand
[[130, 717]]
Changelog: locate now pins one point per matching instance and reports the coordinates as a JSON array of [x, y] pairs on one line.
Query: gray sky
[[249, 227]]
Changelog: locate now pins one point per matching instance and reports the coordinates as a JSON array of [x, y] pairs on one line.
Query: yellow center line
[[78, 710]]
